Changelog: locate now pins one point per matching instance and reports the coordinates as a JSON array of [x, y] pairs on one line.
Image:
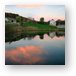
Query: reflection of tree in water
[[28, 36], [41, 36]]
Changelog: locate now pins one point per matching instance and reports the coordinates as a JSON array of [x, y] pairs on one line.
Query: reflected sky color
[[26, 55], [46, 51], [46, 37], [37, 11]]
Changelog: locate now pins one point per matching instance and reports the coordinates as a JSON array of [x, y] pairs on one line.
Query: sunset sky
[[37, 11]]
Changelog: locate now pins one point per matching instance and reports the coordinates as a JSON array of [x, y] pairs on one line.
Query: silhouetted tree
[[41, 19], [11, 15], [19, 19]]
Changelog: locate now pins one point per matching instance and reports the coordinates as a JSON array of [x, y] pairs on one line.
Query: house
[[53, 22], [10, 20], [10, 17], [60, 23], [61, 26], [6, 19], [60, 33]]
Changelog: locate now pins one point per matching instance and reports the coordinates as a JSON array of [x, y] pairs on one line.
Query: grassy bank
[[16, 31], [38, 26]]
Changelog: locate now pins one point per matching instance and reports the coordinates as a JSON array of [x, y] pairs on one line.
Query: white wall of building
[[53, 22]]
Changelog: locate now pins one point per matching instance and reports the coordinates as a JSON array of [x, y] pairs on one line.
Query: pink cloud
[[29, 6], [25, 55]]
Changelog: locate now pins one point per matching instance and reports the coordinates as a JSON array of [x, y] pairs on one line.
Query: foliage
[[41, 19], [15, 31], [12, 31], [11, 15], [39, 26], [18, 19]]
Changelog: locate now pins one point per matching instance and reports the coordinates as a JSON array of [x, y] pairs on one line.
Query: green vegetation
[[16, 32], [24, 26], [37, 26], [11, 15], [41, 19], [18, 19]]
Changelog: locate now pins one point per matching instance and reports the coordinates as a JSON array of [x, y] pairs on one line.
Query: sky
[[37, 11]]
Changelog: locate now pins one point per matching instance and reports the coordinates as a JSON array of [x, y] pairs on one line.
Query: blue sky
[[37, 11]]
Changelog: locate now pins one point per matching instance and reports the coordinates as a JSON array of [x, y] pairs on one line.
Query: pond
[[39, 49]]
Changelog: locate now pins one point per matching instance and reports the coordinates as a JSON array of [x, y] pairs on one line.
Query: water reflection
[[31, 36], [38, 48], [25, 55]]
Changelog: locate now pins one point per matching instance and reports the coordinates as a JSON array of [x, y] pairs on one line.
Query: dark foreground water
[[48, 49]]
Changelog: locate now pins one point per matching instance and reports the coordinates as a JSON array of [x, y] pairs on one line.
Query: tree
[[11, 15], [41, 19], [18, 19]]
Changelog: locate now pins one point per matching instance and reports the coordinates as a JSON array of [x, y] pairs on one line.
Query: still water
[[46, 49]]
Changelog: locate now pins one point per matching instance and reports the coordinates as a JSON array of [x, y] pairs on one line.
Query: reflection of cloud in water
[[47, 37], [26, 55]]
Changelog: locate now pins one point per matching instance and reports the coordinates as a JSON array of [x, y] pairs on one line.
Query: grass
[[37, 26], [16, 31]]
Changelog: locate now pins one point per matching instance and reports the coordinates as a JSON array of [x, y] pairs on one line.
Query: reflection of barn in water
[[32, 36], [58, 34], [52, 34]]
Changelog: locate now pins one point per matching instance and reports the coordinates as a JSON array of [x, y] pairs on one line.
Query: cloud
[[25, 55], [29, 6], [37, 11]]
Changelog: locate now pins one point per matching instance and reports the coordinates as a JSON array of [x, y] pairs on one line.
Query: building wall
[[52, 22], [61, 26], [10, 20]]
